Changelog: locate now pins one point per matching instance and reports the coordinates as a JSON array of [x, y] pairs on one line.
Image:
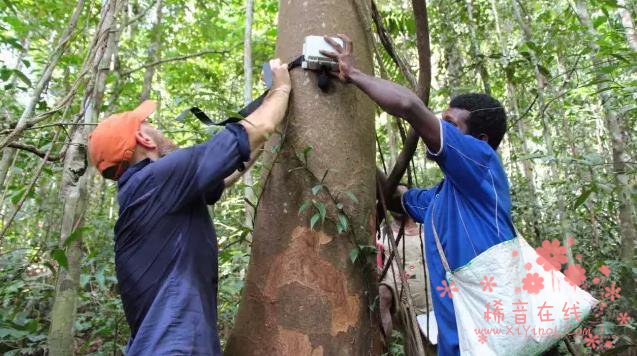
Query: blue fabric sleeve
[[198, 171], [416, 201], [463, 159]]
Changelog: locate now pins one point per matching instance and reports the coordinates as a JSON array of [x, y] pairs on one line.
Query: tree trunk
[[622, 182], [303, 294], [475, 49], [452, 54], [423, 88], [8, 153], [533, 216], [627, 22], [546, 127], [7, 179], [248, 191], [5, 163], [153, 53], [73, 191]]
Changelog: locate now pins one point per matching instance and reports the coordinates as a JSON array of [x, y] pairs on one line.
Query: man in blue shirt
[[470, 209], [165, 243]]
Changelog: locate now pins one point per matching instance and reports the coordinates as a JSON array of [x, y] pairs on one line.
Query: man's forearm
[[392, 199], [234, 177], [399, 101], [263, 121]]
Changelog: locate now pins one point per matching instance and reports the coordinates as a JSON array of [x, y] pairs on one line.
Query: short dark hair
[[486, 116]]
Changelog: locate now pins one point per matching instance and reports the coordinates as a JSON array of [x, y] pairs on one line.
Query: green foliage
[[362, 253]]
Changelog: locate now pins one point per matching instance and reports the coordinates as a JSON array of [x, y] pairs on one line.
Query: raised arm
[[391, 97], [262, 122]]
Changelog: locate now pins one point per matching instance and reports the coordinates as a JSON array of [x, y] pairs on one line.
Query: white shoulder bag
[[507, 304]]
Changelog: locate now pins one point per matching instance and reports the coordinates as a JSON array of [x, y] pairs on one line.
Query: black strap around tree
[[248, 109]]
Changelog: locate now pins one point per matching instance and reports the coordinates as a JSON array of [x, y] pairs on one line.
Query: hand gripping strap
[[248, 109]]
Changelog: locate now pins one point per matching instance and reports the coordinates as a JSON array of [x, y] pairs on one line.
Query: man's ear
[[145, 140], [484, 137]]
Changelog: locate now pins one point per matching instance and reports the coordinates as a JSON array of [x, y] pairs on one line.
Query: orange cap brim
[[145, 109]]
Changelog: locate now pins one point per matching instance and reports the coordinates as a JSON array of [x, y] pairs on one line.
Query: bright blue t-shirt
[[471, 211], [166, 248]]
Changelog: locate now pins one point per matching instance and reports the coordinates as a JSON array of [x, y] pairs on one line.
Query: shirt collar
[[132, 170]]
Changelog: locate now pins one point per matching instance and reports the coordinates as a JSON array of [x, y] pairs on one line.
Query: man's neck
[[141, 155]]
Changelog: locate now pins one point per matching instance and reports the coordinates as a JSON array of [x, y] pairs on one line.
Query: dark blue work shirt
[[471, 210], [166, 248]]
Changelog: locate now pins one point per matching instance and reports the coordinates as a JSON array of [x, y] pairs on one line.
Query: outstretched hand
[[343, 55]]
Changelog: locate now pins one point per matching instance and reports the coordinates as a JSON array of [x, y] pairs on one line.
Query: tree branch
[[390, 47], [36, 151], [424, 49], [424, 89], [140, 15], [173, 59]]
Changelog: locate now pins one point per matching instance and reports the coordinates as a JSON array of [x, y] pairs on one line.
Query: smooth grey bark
[[8, 152], [627, 22], [73, 190], [533, 216], [153, 53], [5, 163], [452, 54], [542, 83], [622, 181], [474, 45]]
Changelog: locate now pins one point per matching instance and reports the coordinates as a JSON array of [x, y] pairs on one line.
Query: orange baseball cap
[[112, 144]]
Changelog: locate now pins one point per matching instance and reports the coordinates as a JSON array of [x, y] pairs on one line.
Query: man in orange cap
[[165, 243]]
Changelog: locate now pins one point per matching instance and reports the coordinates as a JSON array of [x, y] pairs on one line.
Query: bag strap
[[267, 78], [246, 110], [443, 257]]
